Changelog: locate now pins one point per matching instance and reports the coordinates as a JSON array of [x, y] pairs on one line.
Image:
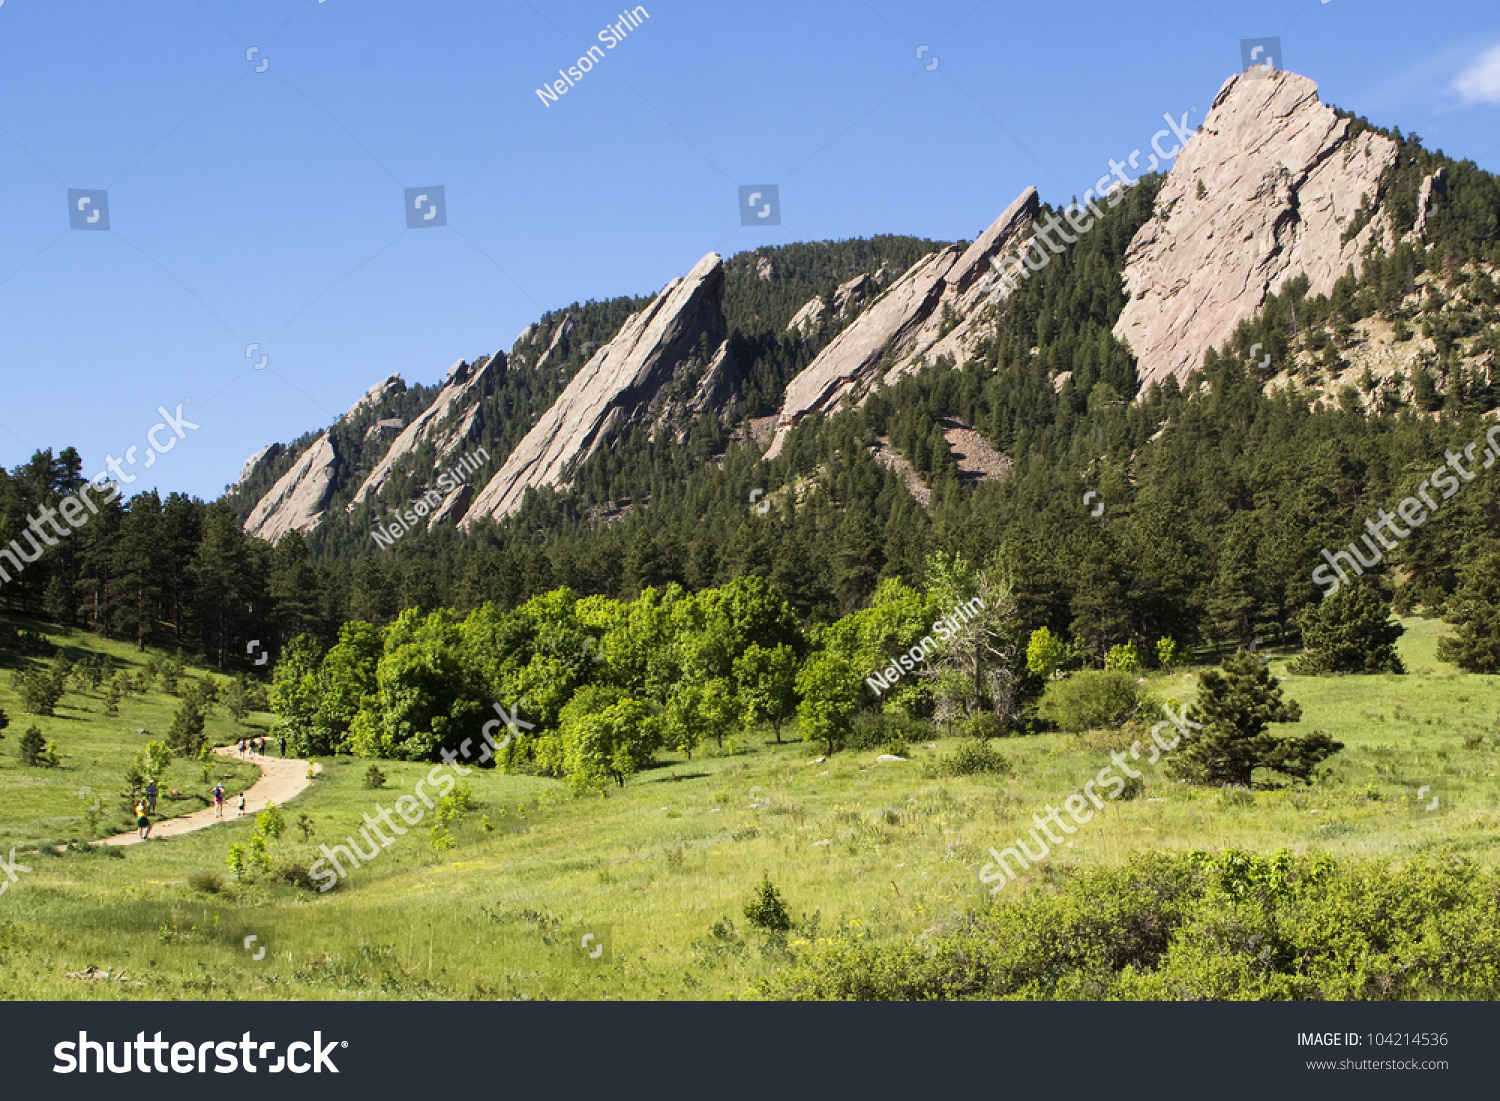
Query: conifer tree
[[1350, 631], [1236, 704]]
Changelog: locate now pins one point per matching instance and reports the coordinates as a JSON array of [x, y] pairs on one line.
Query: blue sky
[[261, 201]]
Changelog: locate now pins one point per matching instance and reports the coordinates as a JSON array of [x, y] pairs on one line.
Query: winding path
[[282, 779]]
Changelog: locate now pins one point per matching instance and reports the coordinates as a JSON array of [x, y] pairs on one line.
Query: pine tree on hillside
[[1235, 705], [1350, 631], [1475, 611]]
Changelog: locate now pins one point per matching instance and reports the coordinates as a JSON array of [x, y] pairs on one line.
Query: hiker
[[151, 792], [283, 745], [142, 823], [218, 800], [260, 746], [242, 804], [240, 747]]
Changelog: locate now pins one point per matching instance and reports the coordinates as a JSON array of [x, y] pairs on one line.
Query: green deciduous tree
[[767, 680], [830, 689]]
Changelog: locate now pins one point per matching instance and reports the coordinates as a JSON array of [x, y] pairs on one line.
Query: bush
[[984, 726], [208, 882], [374, 778], [766, 910], [294, 874], [1092, 700], [1194, 927], [970, 759], [873, 730]]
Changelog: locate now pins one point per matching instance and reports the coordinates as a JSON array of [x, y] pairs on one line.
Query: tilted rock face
[[463, 390], [909, 316], [296, 501], [627, 381], [1281, 182]]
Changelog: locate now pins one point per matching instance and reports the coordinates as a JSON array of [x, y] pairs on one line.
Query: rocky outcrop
[[463, 391], [375, 395], [931, 310], [848, 296], [297, 500], [1435, 184], [639, 378], [267, 453], [1265, 191]]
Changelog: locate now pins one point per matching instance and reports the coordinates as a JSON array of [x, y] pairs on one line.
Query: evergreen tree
[[1235, 705], [1350, 631], [1474, 610]]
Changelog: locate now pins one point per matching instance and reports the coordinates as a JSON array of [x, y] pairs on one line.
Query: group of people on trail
[[255, 747]]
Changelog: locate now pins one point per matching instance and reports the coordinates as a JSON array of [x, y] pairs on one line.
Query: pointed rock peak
[[904, 327], [458, 394], [626, 382], [375, 395], [1267, 189], [297, 500]]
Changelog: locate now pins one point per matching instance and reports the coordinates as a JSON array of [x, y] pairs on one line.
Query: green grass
[[668, 863]]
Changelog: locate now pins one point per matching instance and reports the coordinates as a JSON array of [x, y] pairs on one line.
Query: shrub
[[1092, 700], [1194, 926], [970, 759], [766, 910], [206, 881], [984, 726], [1166, 652], [270, 822], [374, 778], [293, 873]]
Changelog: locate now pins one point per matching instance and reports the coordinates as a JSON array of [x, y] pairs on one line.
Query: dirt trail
[[281, 780]]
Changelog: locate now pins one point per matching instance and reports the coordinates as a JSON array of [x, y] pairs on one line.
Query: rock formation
[[461, 396], [909, 319], [297, 500], [1263, 193], [628, 381]]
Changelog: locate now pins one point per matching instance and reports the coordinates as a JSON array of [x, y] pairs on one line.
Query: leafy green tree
[[1045, 652], [1235, 705], [1474, 610], [605, 735], [1124, 658], [1350, 631], [345, 680], [767, 680], [155, 759], [830, 689], [427, 696]]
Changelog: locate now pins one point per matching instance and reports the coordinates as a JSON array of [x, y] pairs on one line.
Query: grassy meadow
[[660, 870]]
